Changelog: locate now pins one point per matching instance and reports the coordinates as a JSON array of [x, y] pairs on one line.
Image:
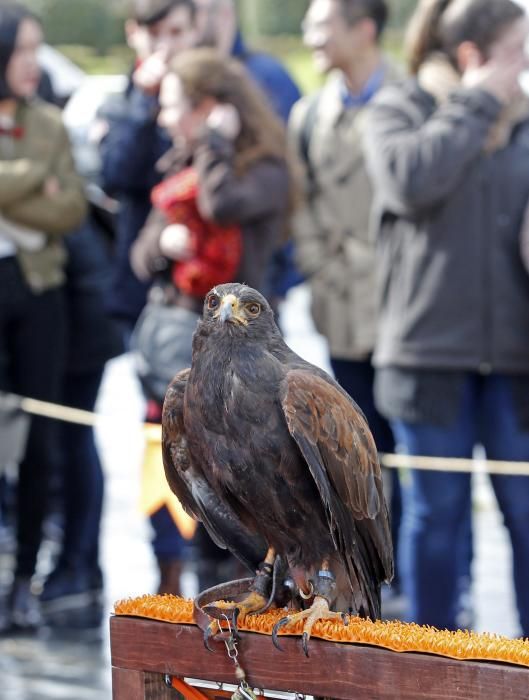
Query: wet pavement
[[77, 666]]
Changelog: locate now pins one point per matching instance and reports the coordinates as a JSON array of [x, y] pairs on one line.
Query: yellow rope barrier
[[392, 461], [62, 413], [453, 464]]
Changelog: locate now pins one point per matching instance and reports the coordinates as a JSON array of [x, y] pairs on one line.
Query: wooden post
[[139, 685], [141, 648]]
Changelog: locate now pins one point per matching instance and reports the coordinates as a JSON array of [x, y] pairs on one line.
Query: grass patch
[[289, 49]]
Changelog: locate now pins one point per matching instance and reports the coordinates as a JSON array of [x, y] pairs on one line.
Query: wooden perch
[[144, 650]]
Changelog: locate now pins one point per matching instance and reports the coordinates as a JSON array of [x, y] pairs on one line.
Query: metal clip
[[244, 692], [231, 642]]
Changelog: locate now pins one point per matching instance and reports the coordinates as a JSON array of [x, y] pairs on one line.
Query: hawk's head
[[236, 306]]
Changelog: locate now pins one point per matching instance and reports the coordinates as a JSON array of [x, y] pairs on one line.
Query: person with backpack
[[331, 232]]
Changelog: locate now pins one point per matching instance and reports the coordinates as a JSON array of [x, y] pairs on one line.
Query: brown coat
[[257, 201], [334, 249], [25, 165]]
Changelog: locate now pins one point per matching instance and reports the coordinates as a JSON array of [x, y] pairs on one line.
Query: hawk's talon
[[305, 644], [234, 617], [281, 623], [210, 634], [214, 632], [319, 610]]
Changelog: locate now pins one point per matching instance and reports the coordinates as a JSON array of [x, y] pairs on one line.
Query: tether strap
[[224, 591]]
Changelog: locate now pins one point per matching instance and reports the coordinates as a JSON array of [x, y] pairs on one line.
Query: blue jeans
[[436, 504]]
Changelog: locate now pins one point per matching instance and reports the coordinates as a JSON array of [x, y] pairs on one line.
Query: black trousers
[[32, 347]]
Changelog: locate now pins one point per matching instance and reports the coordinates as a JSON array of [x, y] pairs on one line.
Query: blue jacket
[[129, 154]]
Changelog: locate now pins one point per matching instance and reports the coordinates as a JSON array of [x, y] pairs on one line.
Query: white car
[[65, 76], [80, 118]]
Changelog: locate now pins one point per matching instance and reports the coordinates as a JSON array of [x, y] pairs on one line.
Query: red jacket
[[217, 250]]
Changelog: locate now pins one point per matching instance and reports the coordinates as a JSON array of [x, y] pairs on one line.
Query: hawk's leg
[[260, 596], [323, 588]]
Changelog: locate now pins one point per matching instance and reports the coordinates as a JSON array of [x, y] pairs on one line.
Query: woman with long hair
[[448, 152], [222, 122], [41, 199]]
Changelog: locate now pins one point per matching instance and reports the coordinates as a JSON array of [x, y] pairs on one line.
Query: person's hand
[[97, 130], [498, 76], [175, 242], [149, 74], [225, 119], [51, 186], [140, 261]]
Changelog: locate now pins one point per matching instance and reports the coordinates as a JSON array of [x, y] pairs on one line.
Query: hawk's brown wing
[[334, 439], [191, 487], [175, 455]]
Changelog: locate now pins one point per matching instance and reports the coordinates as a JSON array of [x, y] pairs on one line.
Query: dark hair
[[11, 16], [151, 11], [442, 25], [354, 10]]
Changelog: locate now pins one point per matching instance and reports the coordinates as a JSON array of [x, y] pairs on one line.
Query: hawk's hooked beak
[[229, 307]]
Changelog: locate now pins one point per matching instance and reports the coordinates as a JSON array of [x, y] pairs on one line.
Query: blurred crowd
[[398, 194]]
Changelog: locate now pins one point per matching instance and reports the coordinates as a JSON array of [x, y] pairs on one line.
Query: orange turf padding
[[396, 636]]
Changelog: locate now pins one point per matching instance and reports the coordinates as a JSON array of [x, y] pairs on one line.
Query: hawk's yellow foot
[[319, 610], [258, 598], [253, 602]]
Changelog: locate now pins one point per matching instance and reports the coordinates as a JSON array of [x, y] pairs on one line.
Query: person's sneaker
[[72, 598]]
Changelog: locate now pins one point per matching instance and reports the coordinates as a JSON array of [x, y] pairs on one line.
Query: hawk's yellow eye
[[213, 302], [253, 309]]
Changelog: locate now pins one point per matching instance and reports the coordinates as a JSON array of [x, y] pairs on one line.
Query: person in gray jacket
[[448, 151]]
